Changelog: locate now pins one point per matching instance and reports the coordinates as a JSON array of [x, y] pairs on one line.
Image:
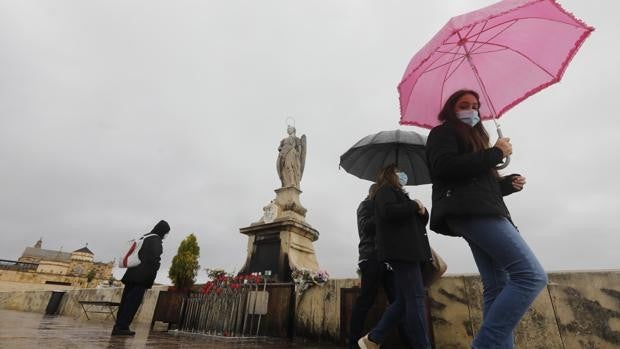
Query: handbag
[[433, 269], [129, 256]]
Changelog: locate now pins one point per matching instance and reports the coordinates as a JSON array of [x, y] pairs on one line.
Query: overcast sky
[[116, 114]]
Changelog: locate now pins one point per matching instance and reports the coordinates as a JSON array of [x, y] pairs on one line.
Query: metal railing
[[231, 312], [19, 266]]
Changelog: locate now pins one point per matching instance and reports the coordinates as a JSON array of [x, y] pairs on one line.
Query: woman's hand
[[421, 208], [518, 182], [504, 145]]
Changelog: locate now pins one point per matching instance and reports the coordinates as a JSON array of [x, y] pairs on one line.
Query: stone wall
[[576, 310], [317, 313], [32, 277], [36, 301], [10, 286]]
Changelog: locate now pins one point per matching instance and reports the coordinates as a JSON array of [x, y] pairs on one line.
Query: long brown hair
[[476, 138], [387, 176]]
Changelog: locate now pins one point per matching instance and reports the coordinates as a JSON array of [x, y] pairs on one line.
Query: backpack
[[129, 257]]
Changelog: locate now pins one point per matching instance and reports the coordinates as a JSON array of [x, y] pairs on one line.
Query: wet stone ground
[[21, 330]]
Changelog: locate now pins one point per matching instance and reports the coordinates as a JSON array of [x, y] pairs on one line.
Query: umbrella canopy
[[374, 152], [507, 51]]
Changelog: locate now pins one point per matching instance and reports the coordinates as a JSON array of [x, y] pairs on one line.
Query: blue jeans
[[410, 296], [375, 275], [511, 275]]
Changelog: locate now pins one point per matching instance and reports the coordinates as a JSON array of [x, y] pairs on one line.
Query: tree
[[91, 275], [185, 266]]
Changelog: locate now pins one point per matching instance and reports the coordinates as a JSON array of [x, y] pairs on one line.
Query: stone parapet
[[36, 301], [576, 310]]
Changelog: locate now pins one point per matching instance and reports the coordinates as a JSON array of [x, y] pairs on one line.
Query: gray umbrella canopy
[[374, 152]]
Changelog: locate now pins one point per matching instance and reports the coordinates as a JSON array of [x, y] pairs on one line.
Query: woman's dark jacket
[[401, 233], [366, 230], [464, 183], [150, 255]]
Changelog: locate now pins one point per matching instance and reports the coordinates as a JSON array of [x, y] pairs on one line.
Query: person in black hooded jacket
[[140, 278]]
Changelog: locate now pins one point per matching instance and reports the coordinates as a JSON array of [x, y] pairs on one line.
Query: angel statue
[[291, 159]]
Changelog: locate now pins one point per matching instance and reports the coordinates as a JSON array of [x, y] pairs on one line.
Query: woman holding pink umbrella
[[468, 201]]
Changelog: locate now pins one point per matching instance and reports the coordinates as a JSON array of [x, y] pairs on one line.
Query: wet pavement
[[21, 330]]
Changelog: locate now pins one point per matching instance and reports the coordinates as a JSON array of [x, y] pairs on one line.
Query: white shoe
[[366, 343]]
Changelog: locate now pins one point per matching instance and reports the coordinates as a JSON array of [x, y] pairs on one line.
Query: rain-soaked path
[[21, 330]]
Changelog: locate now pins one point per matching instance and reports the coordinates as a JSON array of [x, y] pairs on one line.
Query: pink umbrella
[[507, 51]]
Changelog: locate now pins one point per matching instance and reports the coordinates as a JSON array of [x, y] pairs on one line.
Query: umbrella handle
[[504, 164]]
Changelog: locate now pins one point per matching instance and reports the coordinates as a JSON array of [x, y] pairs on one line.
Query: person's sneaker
[[122, 332], [366, 343]]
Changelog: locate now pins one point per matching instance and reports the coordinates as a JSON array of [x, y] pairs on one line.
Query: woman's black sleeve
[[445, 162]]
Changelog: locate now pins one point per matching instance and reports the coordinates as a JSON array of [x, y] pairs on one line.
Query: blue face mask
[[470, 117], [402, 178]]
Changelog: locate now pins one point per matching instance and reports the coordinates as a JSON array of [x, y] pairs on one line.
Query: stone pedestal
[[288, 203], [280, 246]]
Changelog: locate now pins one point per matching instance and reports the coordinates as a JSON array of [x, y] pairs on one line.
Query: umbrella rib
[[438, 58], [520, 54], [470, 30], [450, 53], [374, 137], [483, 88], [450, 66], [478, 36], [479, 80], [491, 51], [518, 19], [444, 64], [454, 71], [445, 78], [474, 48]]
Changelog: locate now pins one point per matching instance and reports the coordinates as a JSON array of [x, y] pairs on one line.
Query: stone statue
[[291, 159]]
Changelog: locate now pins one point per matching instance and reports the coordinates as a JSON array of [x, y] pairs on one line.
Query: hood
[[162, 228]]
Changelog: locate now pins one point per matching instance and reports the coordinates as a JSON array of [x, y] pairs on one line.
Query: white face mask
[[402, 178], [470, 117]]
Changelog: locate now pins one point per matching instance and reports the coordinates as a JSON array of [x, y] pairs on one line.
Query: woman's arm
[[507, 184], [389, 207], [424, 217]]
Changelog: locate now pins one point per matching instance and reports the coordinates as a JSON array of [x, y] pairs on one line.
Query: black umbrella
[[373, 152]]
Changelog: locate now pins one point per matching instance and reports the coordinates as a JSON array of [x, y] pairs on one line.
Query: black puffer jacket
[[464, 184], [366, 230], [401, 233], [150, 255]]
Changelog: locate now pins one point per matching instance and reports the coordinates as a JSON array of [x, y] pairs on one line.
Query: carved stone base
[[288, 200], [279, 247], [285, 206]]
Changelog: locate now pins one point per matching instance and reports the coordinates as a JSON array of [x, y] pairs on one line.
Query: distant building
[[38, 265]]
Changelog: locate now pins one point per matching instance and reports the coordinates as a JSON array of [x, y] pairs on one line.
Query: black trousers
[[130, 302], [374, 275]]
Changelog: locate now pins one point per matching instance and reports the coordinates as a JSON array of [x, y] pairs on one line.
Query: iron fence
[[19, 266], [229, 312]]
